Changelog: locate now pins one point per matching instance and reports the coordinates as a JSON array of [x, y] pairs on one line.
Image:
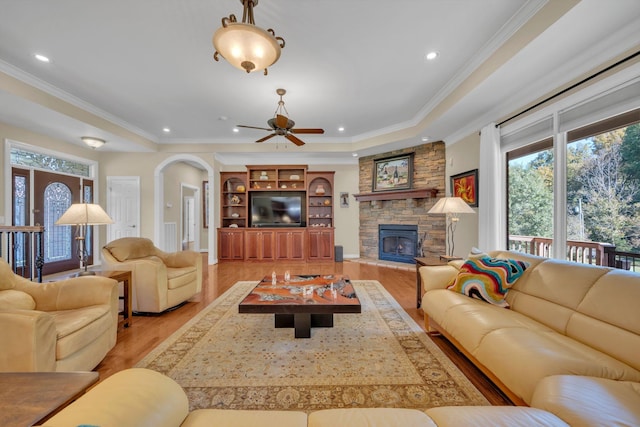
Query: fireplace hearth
[[397, 242]]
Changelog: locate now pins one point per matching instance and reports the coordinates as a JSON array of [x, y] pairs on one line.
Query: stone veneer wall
[[428, 172]]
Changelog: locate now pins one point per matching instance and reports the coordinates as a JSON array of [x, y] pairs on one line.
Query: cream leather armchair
[[161, 280], [68, 325]]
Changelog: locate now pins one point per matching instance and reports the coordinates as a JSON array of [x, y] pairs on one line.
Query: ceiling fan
[[282, 125]]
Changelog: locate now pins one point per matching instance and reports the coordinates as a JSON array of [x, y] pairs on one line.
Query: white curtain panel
[[491, 189]]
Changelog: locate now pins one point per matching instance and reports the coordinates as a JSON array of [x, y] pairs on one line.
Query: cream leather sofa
[[564, 319], [68, 325], [161, 280], [141, 397]]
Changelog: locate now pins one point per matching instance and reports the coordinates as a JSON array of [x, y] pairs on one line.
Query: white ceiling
[[122, 70]]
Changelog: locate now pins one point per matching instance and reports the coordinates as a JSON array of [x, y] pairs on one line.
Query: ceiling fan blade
[[310, 130], [266, 137], [294, 139], [253, 127], [281, 121]]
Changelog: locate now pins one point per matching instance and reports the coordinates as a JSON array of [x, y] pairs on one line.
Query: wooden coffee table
[[304, 302], [30, 398]]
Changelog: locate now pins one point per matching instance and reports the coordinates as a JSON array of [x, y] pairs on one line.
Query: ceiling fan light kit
[[282, 125], [244, 45]]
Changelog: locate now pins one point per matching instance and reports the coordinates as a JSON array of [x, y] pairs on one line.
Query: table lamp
[[83, 215], [451, 207]]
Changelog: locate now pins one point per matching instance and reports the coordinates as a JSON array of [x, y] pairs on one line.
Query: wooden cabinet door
[[321, 244], [259, 245], [267, 245], [297, 245], [290, 245], [231, 245]]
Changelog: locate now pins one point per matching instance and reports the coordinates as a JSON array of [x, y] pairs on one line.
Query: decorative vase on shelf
[[320, 189], [263, 176]]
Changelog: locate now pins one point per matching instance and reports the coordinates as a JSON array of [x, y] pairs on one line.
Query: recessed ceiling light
[[41, 58], [432, 55], [355, 154], [236, 130], [341, 129], [425, 138], [166, 130]]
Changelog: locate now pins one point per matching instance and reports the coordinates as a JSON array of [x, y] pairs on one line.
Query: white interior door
[[189, 223], [123, 206]]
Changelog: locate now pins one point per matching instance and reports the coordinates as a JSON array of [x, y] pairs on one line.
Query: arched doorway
[[159, 201]]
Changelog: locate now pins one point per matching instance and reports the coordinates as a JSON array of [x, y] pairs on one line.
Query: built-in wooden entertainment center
[[282, 212]]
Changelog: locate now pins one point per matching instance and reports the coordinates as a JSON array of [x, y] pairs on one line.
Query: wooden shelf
[[397, 194], [238, 241]]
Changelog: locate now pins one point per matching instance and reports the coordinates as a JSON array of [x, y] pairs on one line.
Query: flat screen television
[[278, 209]]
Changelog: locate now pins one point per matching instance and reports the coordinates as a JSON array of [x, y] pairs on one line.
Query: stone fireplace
[[428, 173]]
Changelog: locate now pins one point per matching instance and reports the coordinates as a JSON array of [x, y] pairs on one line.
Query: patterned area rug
[[378, 358]]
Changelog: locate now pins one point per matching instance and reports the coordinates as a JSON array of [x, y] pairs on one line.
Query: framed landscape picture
[[393, 173], [465, 186]]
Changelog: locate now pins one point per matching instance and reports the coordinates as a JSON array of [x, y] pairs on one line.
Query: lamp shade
[[84, 214], [450, 205], [246, 46]]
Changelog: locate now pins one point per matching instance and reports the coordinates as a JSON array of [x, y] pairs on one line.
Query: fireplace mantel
[[421, 193]]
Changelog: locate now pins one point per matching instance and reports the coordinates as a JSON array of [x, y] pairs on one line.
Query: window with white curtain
[[573, 176]]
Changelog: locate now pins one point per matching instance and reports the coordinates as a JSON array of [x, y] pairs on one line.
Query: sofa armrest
[[71, 293], [181, 259], [589, 401], [28, 340], [437, 276], [130, 398]]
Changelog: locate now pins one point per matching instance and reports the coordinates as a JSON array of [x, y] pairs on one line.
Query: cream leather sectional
[[140, 397], [571, 334], [567, 350]]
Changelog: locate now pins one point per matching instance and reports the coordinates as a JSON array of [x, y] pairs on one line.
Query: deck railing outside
[[596, 253], [22, 248]]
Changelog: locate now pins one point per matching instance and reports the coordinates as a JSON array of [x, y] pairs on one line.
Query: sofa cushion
[[179, 277], [488, 279], [77, 328], [130, 248], [521, 357], [11, 299], [469, 320], [494, 416], [238, 417], [369, 417]]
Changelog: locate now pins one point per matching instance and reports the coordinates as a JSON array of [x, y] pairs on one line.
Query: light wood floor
[[146, 332]]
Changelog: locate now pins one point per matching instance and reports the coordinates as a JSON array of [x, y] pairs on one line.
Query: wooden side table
[[421, 262], [30, 398], [125, 278]]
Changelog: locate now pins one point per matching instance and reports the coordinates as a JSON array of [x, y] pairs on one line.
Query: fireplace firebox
[[397, 242]]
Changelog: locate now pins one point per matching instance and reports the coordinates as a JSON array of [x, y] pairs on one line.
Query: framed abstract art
[[465, 186]]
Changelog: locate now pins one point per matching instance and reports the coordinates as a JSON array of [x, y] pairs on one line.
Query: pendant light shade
[[244, 45]]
